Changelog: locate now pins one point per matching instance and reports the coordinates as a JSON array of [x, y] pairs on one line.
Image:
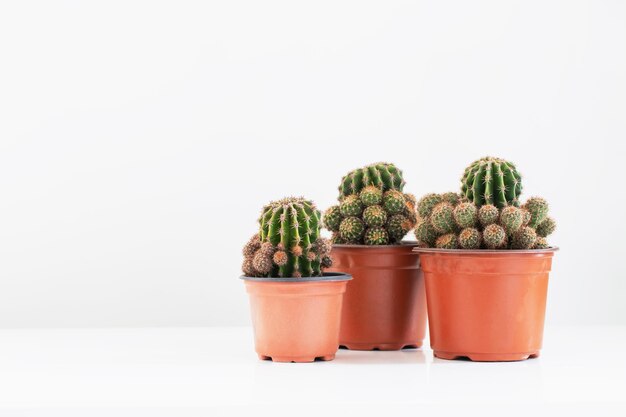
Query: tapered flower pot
[[385, 303], [296, 319], [486, 305]]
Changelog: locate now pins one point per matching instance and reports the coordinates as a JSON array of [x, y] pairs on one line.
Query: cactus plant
[[351, 206], [398, 226], [425, 232], [426, 204], [288, 243], [524, 238], [452, 198], [382, 175], [372, 208], [394, 202], [371, 195], [470, 238], [332, 218], [485, 227], [546, 227], [488, 214], [351, 229], [447, 241], [376, 236], [465, 215], [375, 216], [492, 181], [442, 217], [511, 218], [494, 236], [538, 209]]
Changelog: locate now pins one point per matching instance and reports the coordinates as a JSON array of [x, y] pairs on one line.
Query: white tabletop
[[180, 371]]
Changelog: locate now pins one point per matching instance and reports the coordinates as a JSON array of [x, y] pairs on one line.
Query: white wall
[[139, 140]]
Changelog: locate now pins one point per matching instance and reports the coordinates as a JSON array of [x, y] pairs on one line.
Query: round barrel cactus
[[492, 181], [382, 175], [290, 232]]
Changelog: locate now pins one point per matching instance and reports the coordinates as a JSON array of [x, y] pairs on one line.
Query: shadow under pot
[[385, 304], [296, 319], [486, 305]]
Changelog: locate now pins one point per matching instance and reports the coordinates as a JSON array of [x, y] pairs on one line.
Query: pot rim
[[403, 243], [485, 251], [326, 277]]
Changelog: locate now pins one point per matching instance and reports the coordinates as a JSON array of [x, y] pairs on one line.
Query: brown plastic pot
[[385, 304], [296, 319], [486, 305]]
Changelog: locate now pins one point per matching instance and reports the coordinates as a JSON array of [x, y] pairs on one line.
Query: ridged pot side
[[385, 303], [296, 320], [486, 305]]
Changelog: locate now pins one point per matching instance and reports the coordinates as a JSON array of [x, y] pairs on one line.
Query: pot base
[[380, 346], [297, 359], [487, 357]]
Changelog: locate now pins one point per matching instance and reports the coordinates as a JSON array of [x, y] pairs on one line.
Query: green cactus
[[465, 215], [492, 181], [469, 238], [372, 198], [451, 197], [538, 209], [336, 239], [394, 202], [524, 238], [397, 227], [487, 226], [374, 216], [541, 243], [425, 232], [376, 236], [447, 241], [351, 229], [332, 218], [442, 218], [288, 243], [494, 236], [426, 204], [381, 175], [546, 227], [351, 206], [511, 218], [371, 195], [488, 214]]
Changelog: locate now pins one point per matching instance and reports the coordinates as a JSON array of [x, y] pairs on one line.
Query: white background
[[139, 139]]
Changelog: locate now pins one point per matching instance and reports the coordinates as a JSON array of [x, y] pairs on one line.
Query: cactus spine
[[288, 243], [492, 181]]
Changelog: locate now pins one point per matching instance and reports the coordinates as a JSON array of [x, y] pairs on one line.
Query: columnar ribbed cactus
[[288, 243], [492, 181], [383, 176], [372, 208], [449, 225]]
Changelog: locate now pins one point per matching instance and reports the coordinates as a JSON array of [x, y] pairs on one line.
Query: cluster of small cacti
[[451, 221], [372, 208], [486, 214], [288, 243]]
